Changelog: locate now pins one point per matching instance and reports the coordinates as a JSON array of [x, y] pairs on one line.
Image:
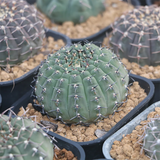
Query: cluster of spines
[[86, 58], [22, 138], [22, 31], [150, 139], [136, 36]]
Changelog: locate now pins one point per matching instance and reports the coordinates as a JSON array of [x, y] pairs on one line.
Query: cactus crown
[[81, 83], [151, 139], [21, 32], [76, 11], [21, 138], [136, 36]]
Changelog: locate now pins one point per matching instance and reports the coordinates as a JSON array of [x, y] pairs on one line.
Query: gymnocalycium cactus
[[136, 36], [81, 83], [23, 139], [21, 32], [76, 11], [151, 140]]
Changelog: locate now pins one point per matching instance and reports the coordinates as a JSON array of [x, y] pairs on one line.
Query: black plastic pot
[[149, 2], [98, 37], [11, 91], [62, 142], [142, 2], [93, 149], [31, 1], [69, 145], [156, 96]]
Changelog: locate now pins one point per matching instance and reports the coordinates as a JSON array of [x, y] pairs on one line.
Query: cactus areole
[[76, 11], [136, 36], [151, 139], [23, 139], [21, 32], [81, 84]]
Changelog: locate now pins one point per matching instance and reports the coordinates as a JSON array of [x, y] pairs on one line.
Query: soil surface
[[81, 133], [63, 154], [129, 148], [114, 9], [49, 46], [150, 72]]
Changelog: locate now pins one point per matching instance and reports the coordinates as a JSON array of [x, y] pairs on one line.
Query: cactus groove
[[81, 83]]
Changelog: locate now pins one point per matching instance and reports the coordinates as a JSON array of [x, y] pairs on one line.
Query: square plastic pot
[[93, 149], [127, 129], [62, 143], [11, 91], [98, 37]]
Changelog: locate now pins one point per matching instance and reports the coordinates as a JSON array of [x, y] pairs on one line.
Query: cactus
[[76, 11], [136, 36], [81, 84], [21, 32], [23, 139], [151, 140]]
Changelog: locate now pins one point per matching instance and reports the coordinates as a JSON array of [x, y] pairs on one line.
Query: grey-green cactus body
[[22, 139], [151, 141], [81, 83], [136, 36], [76, 11], [21, 32]]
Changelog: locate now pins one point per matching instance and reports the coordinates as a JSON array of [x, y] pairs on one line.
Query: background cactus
[[76, 11], [21, 32], [81, 84], [136, 36], [23, 139], [151, 141]]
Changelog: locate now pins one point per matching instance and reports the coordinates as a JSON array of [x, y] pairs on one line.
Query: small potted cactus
[[145, 145], [88, 20], [22, 34], [135, 39], [88, 83], [79, 86], [23, 138]]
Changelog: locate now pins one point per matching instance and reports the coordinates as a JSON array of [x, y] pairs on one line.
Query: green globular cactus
[[23, 139], [81, 83], [151, 139], [21, 32], [136, 36], [76, 11]]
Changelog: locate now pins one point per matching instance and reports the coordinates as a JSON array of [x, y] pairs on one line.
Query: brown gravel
[[10, 73], [63, 154], [114, 9], [150, 72], [129, 147], [83, 133]]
